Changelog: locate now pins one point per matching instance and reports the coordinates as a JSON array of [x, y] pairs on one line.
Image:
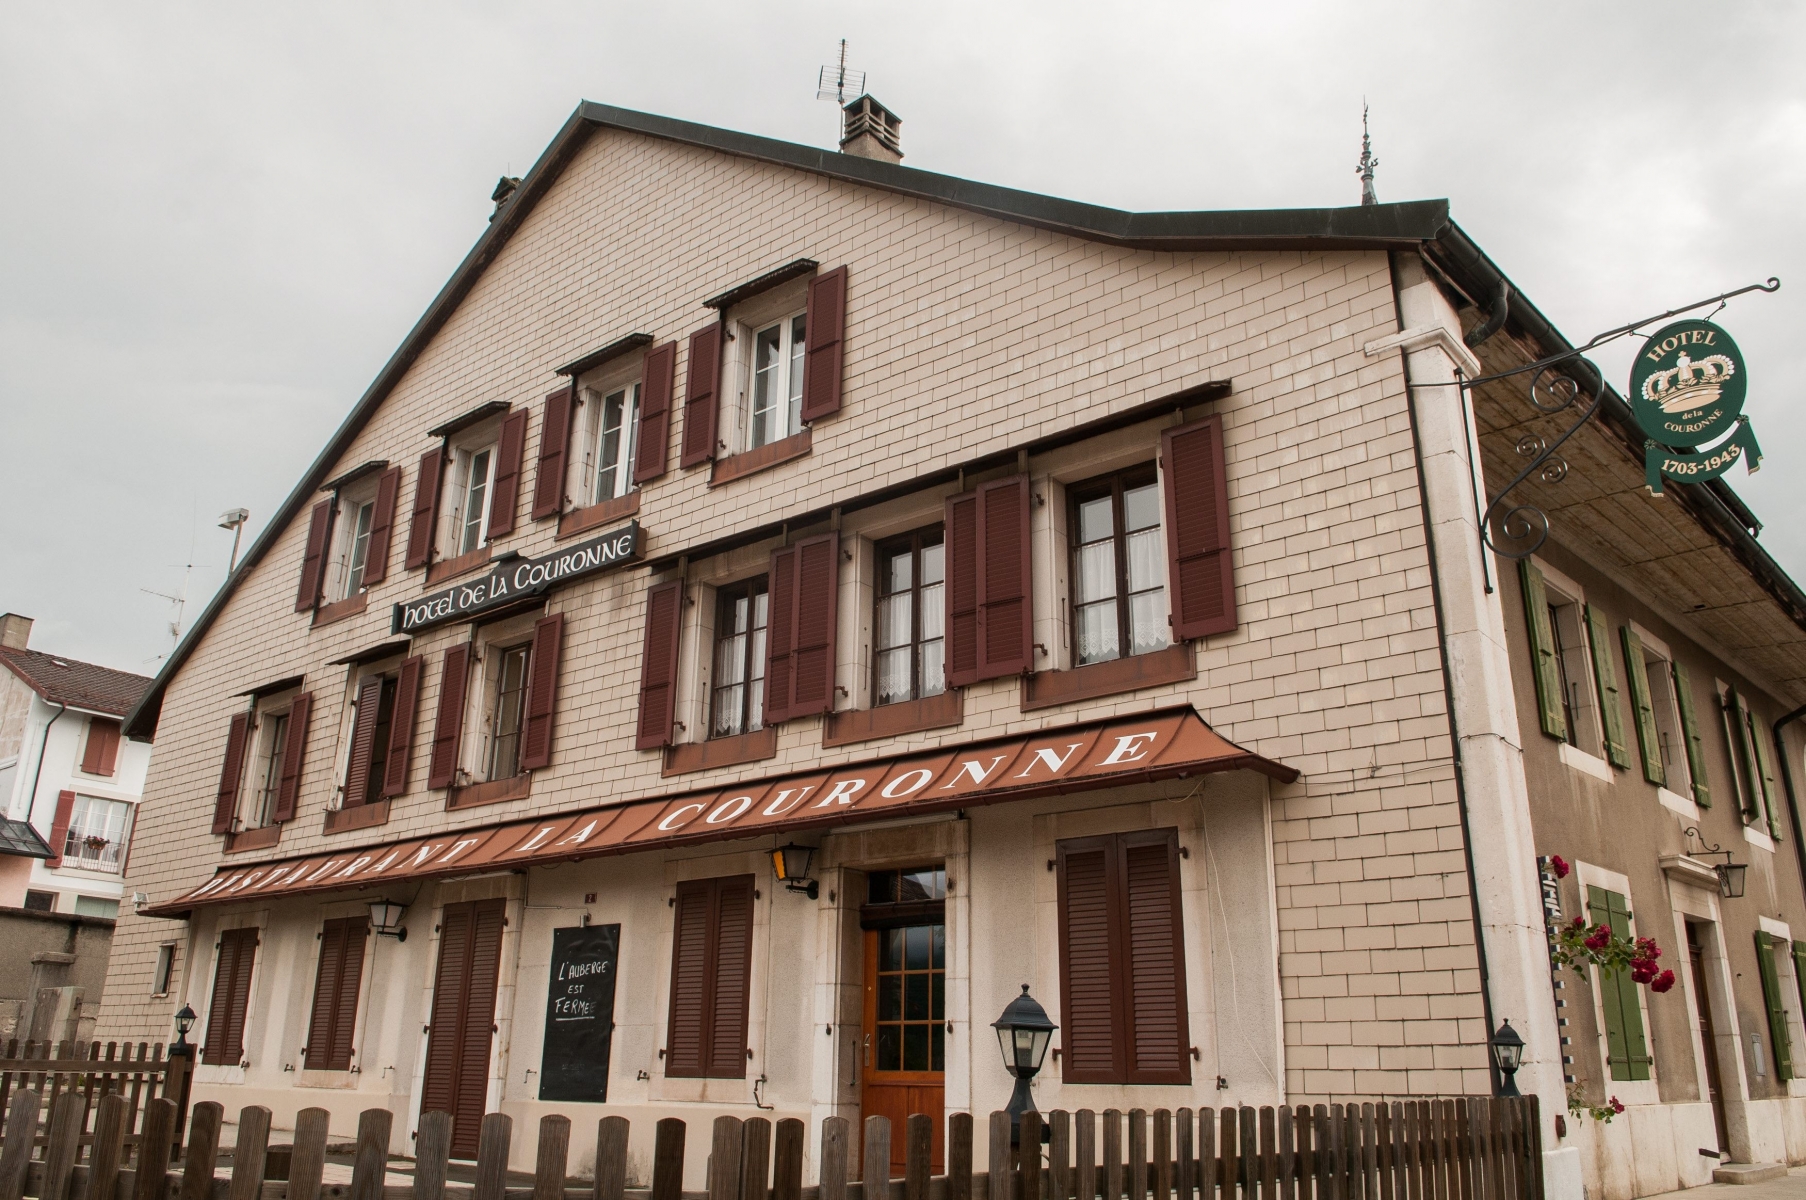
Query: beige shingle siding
[[966, 335]]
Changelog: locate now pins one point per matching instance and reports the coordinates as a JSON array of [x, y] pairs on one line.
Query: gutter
[[37, 776], [1793, 807]]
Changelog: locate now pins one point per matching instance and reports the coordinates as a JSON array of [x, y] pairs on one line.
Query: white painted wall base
[[1562, 1176]]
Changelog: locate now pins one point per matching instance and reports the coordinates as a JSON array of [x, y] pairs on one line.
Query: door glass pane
[[890, 998], [892, 959], [890, 1047], [915, 1047], [916, 949], [937, 1040], [911, 1000], [915, 996]]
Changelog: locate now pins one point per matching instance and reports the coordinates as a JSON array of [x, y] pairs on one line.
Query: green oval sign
[[1688, 384]]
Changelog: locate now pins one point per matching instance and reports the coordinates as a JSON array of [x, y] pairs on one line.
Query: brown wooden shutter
[[382, 527], [59, 827], [231, 773], [711, 967], [658, 665], [1006, 617], [463, 1017], [702, 392], [479, 1017], [542, 692], [439, 1086], [800, 629], [448, 724], [1092, 1043], [401, 727], [824, 339], [554, 449], [686, 1027], [363, 743], [1157, 1022], [101, 754], [333, 1022], [426, 507], [225, 1040], [1200, 572], [962, 589], [313, 561], [294, 757], [510, 450], [654, 444], [780, 634], [732, 966]]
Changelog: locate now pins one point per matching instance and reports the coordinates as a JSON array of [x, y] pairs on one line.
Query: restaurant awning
[[1161, 745]]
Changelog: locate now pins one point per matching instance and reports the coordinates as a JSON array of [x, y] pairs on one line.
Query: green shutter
[[1765, 776], [1799, 971], [1777, 1012], [1738, 727], [1626, 1049], [1648, 740], [1542, 652], [1605, 675], [1696, 749]]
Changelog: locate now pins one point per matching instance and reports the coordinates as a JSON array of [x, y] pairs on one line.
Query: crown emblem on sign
[[1689, 384]]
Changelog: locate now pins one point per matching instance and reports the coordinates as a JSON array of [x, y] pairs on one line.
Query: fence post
[[1162, 1155], [918, 1155], [959, 1156], [432, 1150], [178, 1083], [1085, 1145], [724, 1160], [494, 1137], [787, 1160], [550, 1158], [1207, 1153], [109, 1146], [1113, 1169], [1028, 1156], [153, 1152], [249, 1153], [1185, 1177], [1138, 1154], [62, 1145], [1059, 1155], [874, 1160], [668, 1160], [835, 1134], [21, 1133], [611, 1158], [998, 1180], [755, 1158], [371, 1160], [1269, 1155]]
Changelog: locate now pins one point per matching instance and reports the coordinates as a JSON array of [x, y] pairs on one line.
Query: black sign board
[[580, 1013], [510, 581]]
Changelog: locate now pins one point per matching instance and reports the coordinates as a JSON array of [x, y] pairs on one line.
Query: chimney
[[871, 130], [15, 631], [504, 188]]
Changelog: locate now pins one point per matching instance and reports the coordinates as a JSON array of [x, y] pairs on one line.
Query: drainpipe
[[37, 776], [1793, 808]]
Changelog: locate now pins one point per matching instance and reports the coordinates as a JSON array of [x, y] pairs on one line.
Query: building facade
[[1095, 600]]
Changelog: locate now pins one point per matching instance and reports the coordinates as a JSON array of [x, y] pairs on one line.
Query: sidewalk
[[1791, 1188]]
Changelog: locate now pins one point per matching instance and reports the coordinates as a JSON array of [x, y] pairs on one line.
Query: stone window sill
[[495, 791], [338, 610], [360, 816], [446, 568], [253, 839], [893, 720], [1175, 664], [721, 752], [582, 520], [1586, 764], [751, 462]]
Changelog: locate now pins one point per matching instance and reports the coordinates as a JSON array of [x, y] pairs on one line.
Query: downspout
[[1448, 685], [1793, 807], [37, 775]]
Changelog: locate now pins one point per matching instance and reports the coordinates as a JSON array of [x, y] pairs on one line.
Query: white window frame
[[164, 971], [1584, 749], [354, 505], [355, 678], [492, 642], [123, 841], [264, 761], [592, 408], [780, 307], [1631, 1091], [1658, 668], [461, 454]]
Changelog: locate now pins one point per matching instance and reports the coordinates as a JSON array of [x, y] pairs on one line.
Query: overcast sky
[[220, 220]]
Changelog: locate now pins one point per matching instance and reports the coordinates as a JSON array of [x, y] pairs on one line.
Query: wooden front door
[[904, 1047], [1708, 1037], [463, 1021]]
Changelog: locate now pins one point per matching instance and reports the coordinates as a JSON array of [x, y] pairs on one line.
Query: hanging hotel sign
[[1686, 390], [512, 580]]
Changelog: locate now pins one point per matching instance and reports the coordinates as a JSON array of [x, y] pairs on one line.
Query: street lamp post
[[1023, 1032], [1507, 1054]]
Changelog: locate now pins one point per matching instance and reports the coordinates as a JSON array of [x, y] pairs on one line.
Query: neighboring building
[[1098, 597], [70, 782]]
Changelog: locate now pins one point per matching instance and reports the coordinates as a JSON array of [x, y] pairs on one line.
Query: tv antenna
[[1368, 162], [835, 82]]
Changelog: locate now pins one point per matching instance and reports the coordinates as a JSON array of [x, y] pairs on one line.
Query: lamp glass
[[1507, 1048], [184, 1020], [1730, 879], [385, 915], [791, 862]]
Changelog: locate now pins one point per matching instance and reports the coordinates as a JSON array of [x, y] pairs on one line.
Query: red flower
[[1647, 949], [1600, 938], [1559, 865], [1642, 972], [1579, 923], [1663, 982], [1616, 1107]]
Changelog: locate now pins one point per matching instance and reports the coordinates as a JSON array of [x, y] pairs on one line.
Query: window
[[99, 832], [1661, 735], [40, 901], [1570, 669], [100, 756], [777, 381], [1626, 1049], [333, 1021], [164, 975], [231, 1000], [1772, 952], [737, 702], [373, 722], [1122, 959], [357, 554], [473, 471], [1118, 567], [507, 710], [1574, 673], [272, 741], [911, 620], [905, 915], [711, 958], [613, 422], [97, 906]]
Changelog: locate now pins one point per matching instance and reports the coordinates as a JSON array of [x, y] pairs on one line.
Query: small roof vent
[[871, 130]]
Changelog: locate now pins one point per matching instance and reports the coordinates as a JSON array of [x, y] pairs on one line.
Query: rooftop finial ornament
[[1368, 162]]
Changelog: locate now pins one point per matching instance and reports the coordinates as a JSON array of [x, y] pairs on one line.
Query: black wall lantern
[[1508, 1056], [1730, 872], [1023, 1032], [184, 1022], [385, 918], [790, 863]]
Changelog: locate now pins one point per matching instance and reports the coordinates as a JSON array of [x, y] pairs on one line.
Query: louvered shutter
[[961, 596], [1605, 679], [1696, 747], [1777, 1009], [448, 724], [225, 1040], [458, 1040], [510, 452], [732, 977], [313, 561], [1544, 669], [702, 392], [426, 507], [100, 756], [333, 1022], [687, 1022], [1642, 707], [659, 376], [363, 743], [401, 727], [711, 968], [658, 665], [780, 634], [439, 1085], [326, 991], [1006, 618], [1200, 569], [1157, 1021], [59, 827], [817, 608], [1799, 972], [231, 774], [542, 692], [1765, 776], [1627, 1050], [479, 1019], [554, 448], [1092, 1041], [824, 340], [294, 757], [1736, 716], [382, 527]]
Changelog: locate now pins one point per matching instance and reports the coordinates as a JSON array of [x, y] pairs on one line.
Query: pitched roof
[[77, 684]]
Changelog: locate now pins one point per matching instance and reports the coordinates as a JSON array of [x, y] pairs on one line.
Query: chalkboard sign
[[580, 1013]]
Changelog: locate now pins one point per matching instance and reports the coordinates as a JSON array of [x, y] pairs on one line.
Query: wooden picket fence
[[136, 1071], [1469, 1148]]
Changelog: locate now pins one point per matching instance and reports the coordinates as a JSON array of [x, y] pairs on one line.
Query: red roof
[[77, 684]]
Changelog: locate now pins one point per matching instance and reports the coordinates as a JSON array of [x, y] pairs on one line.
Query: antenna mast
[[1368, 162], [836, 81]]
